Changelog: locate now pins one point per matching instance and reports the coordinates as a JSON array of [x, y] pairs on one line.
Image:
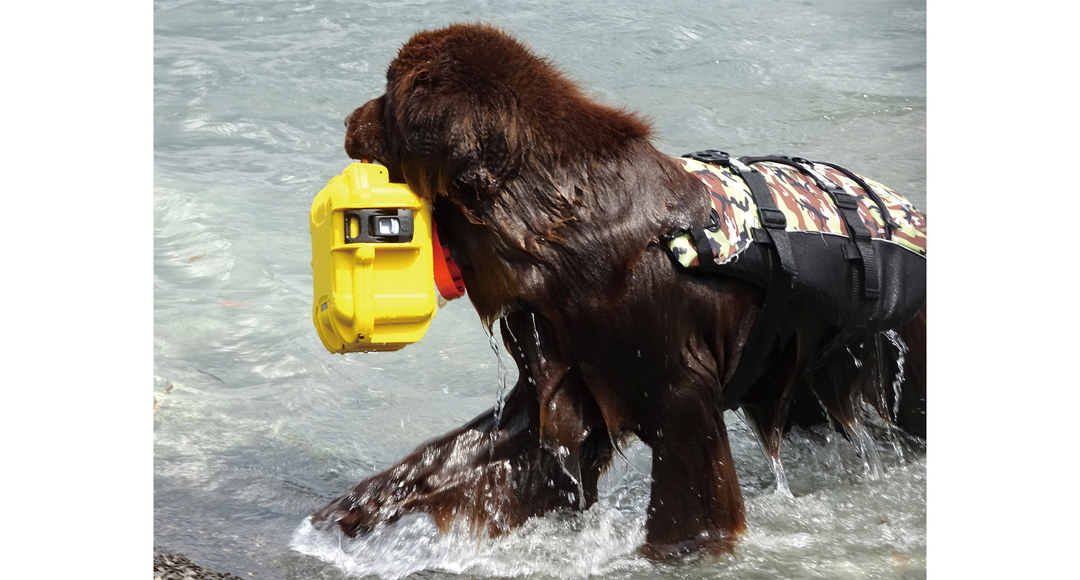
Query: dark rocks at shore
[[178, 567]]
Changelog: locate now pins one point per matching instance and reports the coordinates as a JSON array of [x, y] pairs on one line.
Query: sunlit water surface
[[257, 426]]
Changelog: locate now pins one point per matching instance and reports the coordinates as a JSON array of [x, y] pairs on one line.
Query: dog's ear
[[451, 113], [364, 135], [459, 138]]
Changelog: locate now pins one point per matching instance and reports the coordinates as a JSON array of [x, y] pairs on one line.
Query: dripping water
[[825, 411], [862, 439], [782, 488], [500, 380], [777, 465], [572, 469], [883, 402], [858, 363], [901, 350], [536, 337], [858, 433]]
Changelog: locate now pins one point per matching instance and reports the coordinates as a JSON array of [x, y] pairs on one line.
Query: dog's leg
[[895, 376], [893, 366], [492, 472], [912, 415], [880, 369], [569, 418], [766, 405], [696, 503], [842, 385]]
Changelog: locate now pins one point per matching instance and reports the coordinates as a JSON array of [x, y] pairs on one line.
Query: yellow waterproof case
[[371, 260]]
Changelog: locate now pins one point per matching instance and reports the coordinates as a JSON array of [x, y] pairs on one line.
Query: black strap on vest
[[774, 320], [890, 224], [774, 324], [863, 250], [772, 218], [773, 221]]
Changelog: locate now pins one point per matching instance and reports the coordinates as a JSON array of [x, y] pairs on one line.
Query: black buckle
[[714, 221], [852, 253], [378, 225], [772, 218], [712, 156], [844, 200]]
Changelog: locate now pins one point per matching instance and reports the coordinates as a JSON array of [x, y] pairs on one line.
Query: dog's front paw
[[356, 513]]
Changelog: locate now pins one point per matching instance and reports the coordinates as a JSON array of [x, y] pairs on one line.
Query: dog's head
[[467, 108], [528, 177]]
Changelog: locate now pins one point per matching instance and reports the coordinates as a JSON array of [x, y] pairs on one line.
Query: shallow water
[[257, 425]]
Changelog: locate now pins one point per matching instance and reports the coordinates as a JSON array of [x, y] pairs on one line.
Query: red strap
[[447, 274]]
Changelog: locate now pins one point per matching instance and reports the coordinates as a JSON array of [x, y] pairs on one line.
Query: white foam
[[598, 541]]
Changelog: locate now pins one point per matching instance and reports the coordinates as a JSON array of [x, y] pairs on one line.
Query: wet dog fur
[[552, 206]]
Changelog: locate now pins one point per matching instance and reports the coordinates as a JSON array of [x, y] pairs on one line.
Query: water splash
[[563, 544], [599, 541]]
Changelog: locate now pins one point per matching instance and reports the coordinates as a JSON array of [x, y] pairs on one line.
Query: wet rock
[[179, 567]]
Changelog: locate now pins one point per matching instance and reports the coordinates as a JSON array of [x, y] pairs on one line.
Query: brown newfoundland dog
[[553, 205]]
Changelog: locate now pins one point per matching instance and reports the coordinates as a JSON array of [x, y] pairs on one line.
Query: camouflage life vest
[[806, 207], [812, 234], [850, 248]]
